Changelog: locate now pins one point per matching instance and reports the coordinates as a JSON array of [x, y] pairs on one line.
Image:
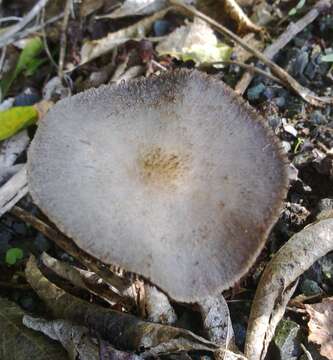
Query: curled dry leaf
[[93, 49], [85, 280], [123, 330], [195, 41], [158, 306], [223, 10], [31, 344], [321, 326], [75, 339], [277, 283]]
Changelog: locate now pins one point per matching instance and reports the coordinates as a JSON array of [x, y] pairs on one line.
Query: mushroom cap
[[173, 177]]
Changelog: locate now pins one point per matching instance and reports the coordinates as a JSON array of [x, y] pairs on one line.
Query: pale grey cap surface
[[171, 177]]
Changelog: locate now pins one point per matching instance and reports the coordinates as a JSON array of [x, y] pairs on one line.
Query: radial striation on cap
[[173, 177]]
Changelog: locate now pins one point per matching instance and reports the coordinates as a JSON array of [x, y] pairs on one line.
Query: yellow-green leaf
[[15, 119]]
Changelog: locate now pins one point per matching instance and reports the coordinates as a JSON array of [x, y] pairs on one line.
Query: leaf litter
[[114, 44]]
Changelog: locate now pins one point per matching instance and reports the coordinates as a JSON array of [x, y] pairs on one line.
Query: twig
[[71, 248], [38, 27], [250, 68], [46, 46], [10, 18], [278, 282], [306, 352], [2, 58], [9, 35], [63, 39], [13, 190], [292, 30], [288, 80]]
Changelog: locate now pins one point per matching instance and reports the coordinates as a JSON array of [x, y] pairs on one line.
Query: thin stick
[[68, 245], [288, 80], [63, 39], [46, 45], [9, 35], [10, 18], [250, 68], [292, 30]]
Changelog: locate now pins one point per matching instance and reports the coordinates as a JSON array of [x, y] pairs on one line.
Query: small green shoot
[[299, 142], [13, 255], [298, 7]]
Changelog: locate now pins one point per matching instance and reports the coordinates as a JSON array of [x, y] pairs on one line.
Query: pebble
[[161, 27], [317, 118], [286, 341], [310, 287], [240, 334], [255, 92], [41, 243], [27, 97]]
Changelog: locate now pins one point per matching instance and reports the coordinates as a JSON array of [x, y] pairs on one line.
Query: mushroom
[[172, 177]]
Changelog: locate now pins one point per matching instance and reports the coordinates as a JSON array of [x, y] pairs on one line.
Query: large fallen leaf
[[277, 283], [124, 331], [321, 326], [95, 48], [195, 41], [19, 343]]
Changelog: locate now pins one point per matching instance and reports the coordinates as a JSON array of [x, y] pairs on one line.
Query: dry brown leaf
[[194, 41], [224, 10], [277, 283], [125, 331], [321, 326], [95, 48]]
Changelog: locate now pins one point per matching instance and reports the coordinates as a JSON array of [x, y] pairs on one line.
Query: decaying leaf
[[137, 7], [75, 339], [123, 330], [19, 343], [86, 280], [278, 283], [195, 41], [321, 326], [93, 49], [223, 10]]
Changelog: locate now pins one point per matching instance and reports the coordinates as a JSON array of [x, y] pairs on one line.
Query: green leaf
[[327, 58], [15, 119], [13, 255], [26, 62], [29, 54]]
